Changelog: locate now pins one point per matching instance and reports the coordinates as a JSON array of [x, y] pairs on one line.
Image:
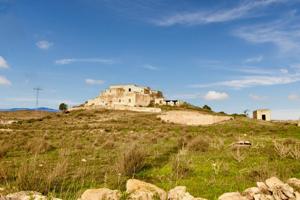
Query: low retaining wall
[[120, 107], [192, 118]]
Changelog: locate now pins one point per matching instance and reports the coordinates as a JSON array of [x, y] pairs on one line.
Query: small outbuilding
[[262, 114]]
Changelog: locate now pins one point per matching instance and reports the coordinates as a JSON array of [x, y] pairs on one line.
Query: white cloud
[[257, 71], [3, 63], [257, 97], [93, 81], [66, 61], [44, 44], [254, 59], [243, 10], [215, 96], [151, 67], [284, 71], [252, 81], [294, 97], [4, 81], [284, 34]]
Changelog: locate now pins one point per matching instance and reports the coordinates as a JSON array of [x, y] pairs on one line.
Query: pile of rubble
[[271, 189]]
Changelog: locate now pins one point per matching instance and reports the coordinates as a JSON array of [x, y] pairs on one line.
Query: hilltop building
[[262, 114], [132, 96]]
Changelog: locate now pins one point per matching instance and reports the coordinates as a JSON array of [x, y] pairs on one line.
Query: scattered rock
[[273, 182], [243, 143], [6, 130], [232, 196], [295, 183], [297, 194], [180, 193], [251, 192], [7, 122], [2, 197], [101, 194], [144, 191], [272, 189], [27, 195], [263, 188]]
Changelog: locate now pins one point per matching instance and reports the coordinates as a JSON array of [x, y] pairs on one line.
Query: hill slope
[[67, 153]]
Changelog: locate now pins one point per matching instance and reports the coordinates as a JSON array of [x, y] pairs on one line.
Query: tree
[[206, 107], [63, 107], [246, 112]]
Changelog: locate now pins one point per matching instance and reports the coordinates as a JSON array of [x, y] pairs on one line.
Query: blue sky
[[231, 55]]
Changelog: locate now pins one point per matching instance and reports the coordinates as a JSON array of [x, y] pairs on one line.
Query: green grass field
[[64, 154]]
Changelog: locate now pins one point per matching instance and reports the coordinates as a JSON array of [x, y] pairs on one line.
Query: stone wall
[[119, 107]]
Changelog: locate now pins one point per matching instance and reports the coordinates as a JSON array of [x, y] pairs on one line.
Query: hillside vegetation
[[64, 154]]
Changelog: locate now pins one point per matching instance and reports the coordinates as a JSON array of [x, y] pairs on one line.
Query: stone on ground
[[180, 193], [101, 194], [295, 183], [27, 195], [232, 196], [139, 190]]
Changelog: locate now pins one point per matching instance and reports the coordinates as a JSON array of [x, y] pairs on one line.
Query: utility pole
[[37, 89]]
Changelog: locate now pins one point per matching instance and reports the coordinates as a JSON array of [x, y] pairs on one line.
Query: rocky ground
[[64, 154], [271, 189]]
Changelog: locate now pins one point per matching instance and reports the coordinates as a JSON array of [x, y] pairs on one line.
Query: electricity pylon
[[37, 89]]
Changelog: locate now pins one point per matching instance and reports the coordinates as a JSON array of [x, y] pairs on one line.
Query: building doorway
[[263, 117]]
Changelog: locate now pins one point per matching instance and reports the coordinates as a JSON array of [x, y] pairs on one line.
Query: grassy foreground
[[64, 154]]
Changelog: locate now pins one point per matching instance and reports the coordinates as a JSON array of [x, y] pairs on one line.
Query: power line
[[37, 89]]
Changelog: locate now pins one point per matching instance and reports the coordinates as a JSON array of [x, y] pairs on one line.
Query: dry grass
[[181, 165], [239, 154], [287, 149], [97, 147], [4, 149], [131, 161], [38, 146], [199, 143]]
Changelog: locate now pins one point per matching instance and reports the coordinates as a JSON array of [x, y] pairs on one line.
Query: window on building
[[129, 89], [129, 100], [120, 100]]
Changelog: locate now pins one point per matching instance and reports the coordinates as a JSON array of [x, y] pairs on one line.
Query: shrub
[[238, 154], [287, 148], [63, 107], [206, 107], [108, 145], [29, 178], [4, 148], [132, 160], [32, 176], [199, 143], [181, 165], [38, 146]]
